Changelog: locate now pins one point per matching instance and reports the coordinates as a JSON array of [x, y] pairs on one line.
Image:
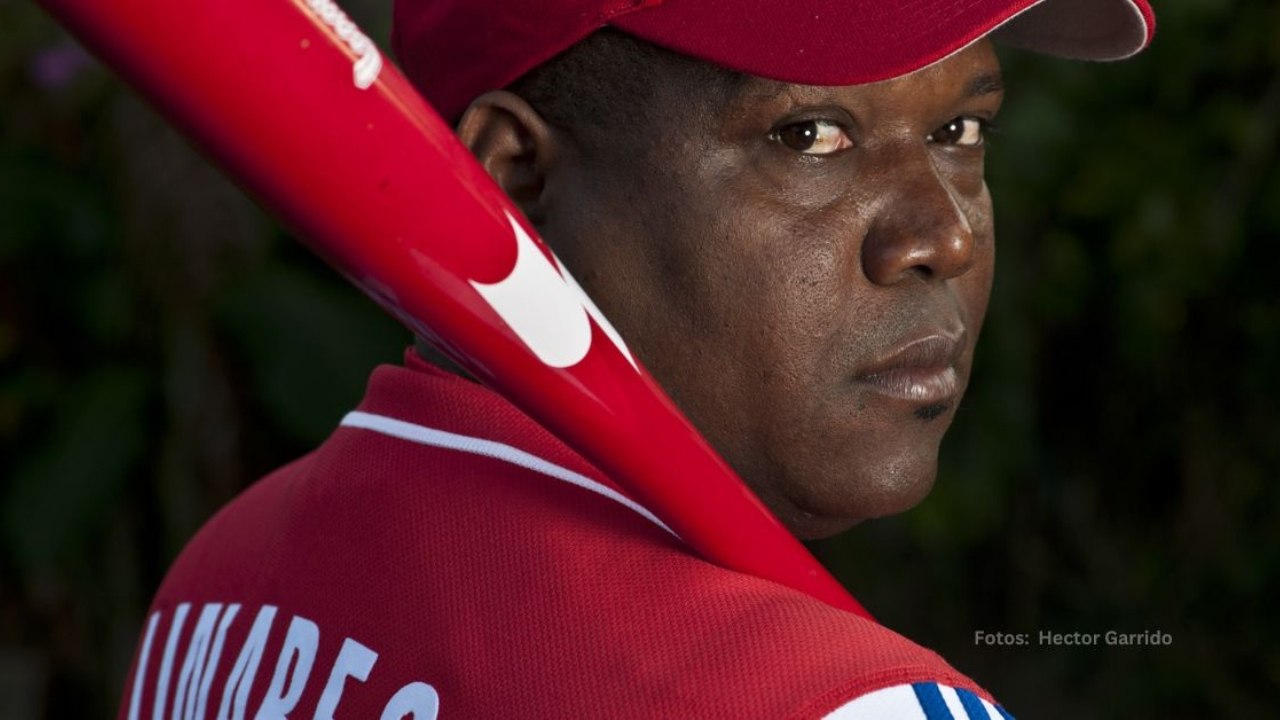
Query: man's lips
[[921, 370]]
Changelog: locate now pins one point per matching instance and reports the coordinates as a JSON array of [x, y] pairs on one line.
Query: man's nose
[[921, 229]]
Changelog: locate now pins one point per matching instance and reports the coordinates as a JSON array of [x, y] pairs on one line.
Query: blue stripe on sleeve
[[935, 708], [972, 705]]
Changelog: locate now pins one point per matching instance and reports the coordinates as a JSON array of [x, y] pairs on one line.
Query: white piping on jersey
[[489, 448], [901, 702], [892, 703]]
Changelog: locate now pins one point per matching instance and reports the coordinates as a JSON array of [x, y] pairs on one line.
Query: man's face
[[805, 270]]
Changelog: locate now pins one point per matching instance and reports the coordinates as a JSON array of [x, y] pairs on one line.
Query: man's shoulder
[[516, 583]]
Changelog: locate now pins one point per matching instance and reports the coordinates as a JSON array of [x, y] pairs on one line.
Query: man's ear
[[514, 144]]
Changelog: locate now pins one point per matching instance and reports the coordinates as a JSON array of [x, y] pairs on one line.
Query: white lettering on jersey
[[354, 660], [139, 673], [294, 664], [166, 664], [197, 653], [368, 60], [545, 307], [286, 687], [206, 678], [235, 694], [198, 667], [417, 698]]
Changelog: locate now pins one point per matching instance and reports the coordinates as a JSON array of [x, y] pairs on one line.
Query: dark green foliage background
[[1114, 467]]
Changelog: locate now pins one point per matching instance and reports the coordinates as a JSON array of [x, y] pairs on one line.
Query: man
[[782, 208]]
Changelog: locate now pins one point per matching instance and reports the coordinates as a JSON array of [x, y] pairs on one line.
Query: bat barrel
[[300, 106]]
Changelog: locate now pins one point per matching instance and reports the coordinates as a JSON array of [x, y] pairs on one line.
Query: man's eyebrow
[[985, 84]]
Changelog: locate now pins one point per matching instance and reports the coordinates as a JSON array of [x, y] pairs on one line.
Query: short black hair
[[611, 80]]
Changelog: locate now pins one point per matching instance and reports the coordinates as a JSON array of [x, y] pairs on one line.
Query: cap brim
[[818, 42], [1081, 29]]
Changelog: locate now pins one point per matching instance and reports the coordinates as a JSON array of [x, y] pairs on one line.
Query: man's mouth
[[921, 370]]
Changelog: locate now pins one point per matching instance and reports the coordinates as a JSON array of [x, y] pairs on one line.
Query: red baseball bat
[[302, 108]]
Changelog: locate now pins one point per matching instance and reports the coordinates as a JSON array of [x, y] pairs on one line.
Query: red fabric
[[511, 593], [454, 50]]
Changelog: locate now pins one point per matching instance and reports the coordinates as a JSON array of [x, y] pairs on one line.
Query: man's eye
[[813, 137], [962, 131]]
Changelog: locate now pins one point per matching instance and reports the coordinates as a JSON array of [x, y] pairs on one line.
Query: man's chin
[[867, 498]]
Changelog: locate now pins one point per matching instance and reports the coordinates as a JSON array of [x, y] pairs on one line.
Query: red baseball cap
[[454, 50]]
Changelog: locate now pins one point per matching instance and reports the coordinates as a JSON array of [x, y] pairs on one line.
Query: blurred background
[[1115, 466]]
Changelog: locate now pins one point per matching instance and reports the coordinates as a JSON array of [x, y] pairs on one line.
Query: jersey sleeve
[[918, 701]]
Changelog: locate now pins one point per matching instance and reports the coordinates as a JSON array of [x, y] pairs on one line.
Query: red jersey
[[443, 555]]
